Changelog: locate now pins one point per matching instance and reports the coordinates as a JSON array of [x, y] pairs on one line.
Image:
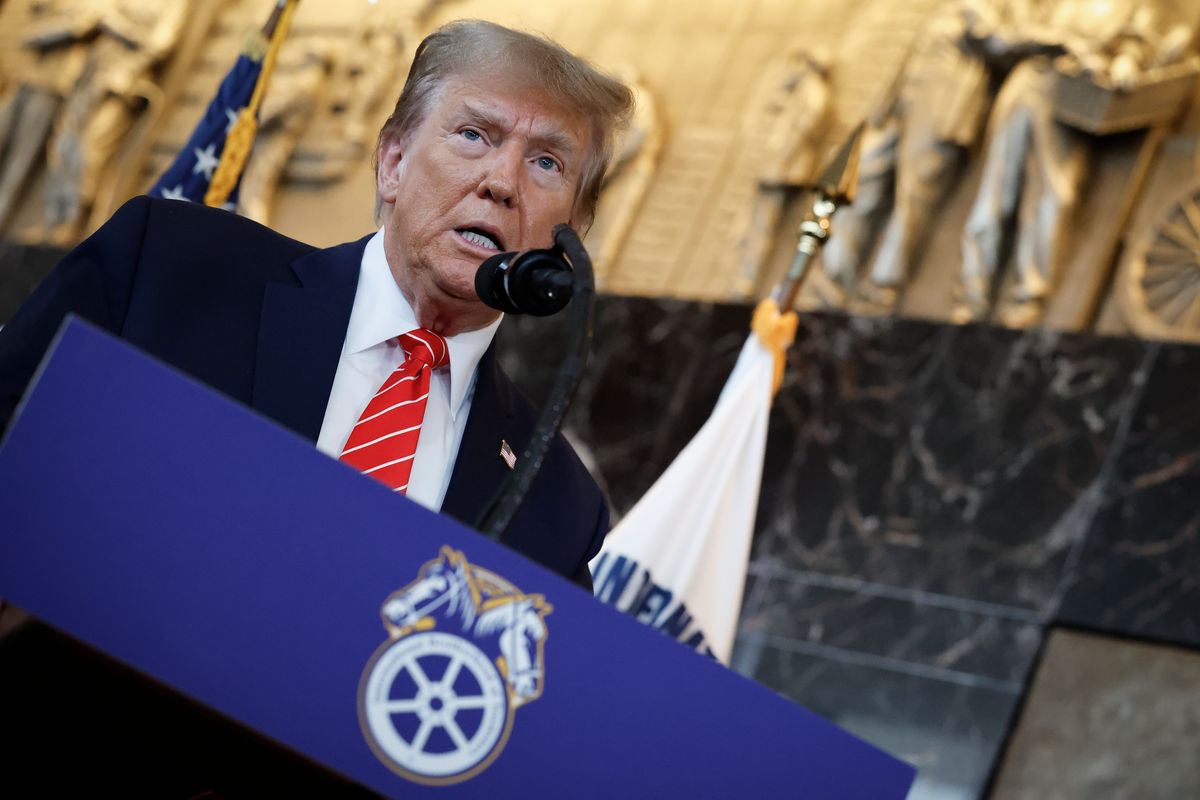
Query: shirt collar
[[381, 313]]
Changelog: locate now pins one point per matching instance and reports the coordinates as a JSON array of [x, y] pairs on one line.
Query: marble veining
[[1139, 572], [947, 458], [933, 498]]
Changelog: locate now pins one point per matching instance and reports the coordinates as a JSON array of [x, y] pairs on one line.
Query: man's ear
[[390, 164]]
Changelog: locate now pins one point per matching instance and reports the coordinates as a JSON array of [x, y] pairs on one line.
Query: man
[[496, 137]]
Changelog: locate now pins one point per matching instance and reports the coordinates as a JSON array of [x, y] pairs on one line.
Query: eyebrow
[[552, 139]]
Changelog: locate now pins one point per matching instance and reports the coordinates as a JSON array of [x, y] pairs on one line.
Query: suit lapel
[[300, 337], [479, 469]]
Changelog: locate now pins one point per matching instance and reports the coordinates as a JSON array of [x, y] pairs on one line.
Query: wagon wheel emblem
[[437, 706], [1160, 292]]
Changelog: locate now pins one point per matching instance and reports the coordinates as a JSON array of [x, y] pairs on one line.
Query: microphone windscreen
[[534, 282], [489, 283]]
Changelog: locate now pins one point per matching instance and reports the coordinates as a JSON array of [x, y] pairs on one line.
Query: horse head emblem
[[520, 622], [443, 586], [461, 639]]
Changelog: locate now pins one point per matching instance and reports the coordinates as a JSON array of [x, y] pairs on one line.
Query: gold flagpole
[[835, 188], [241, 136], [774, 320]]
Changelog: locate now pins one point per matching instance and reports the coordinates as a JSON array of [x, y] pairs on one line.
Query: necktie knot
[[427, 347]]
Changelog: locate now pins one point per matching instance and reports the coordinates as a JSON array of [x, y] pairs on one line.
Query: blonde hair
[[477, 47]]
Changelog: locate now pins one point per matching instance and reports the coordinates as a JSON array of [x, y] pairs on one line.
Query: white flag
[[678, 559]]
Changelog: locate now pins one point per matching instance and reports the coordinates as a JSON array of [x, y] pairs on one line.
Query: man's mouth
[[480, 238]]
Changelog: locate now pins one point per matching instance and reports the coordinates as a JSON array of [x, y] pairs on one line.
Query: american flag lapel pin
[[506, 453]]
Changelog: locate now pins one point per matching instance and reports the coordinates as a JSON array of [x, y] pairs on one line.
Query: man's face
[[486, 171]]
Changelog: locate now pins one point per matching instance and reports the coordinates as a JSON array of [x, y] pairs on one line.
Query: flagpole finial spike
[[839, 180], [834, 188], [268, 29]]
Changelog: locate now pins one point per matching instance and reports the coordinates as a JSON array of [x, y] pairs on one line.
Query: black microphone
[[535, 282]]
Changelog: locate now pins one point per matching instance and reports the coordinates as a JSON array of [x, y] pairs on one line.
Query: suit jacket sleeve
[[93, 281], [583, 576]]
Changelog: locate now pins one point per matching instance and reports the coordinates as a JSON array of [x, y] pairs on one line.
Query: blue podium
[[222, 559]]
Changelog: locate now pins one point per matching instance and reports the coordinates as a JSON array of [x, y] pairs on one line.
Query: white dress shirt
[[370, 354]]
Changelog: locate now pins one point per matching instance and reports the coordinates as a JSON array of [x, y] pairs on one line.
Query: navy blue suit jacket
[[262, 318]]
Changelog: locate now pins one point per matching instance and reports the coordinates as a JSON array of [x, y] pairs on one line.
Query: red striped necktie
[[384, 440]]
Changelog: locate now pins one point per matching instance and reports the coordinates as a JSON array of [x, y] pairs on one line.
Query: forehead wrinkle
[[555, 140], [486, 117], [549, 136]]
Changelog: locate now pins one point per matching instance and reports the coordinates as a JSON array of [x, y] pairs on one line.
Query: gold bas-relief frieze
[[78, 76], [635, 159], [961, 220], [1016, 165]]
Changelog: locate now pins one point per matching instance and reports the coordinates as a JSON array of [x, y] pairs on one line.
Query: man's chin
[[460, 295], [462, 304], [458, 284]]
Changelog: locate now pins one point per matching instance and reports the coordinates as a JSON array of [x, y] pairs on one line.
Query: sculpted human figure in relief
[[55, 36], [781, 137], [364, 72], [635, 158], [1035, 165], [914, 144], [132, 38]]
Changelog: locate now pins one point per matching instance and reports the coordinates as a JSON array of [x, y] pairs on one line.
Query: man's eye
[[471, 135], [547, 163]]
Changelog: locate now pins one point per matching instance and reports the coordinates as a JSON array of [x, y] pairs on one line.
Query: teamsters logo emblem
[[465, 651]]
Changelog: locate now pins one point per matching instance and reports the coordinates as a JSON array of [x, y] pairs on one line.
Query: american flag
[[191, 172]]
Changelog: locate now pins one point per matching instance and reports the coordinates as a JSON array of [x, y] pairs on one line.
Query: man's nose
[[501, 182]]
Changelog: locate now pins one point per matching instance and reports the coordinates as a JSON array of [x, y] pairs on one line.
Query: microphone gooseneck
[[573, 265]]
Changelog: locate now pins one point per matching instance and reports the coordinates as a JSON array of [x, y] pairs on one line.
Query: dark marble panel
[[657, 367], [1106, 718], [1139, 573], [930, 495], [949, 730], [964, 461], [931, 679], [933, 636]]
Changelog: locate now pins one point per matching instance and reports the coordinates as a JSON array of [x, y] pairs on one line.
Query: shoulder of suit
[[190, 232]]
